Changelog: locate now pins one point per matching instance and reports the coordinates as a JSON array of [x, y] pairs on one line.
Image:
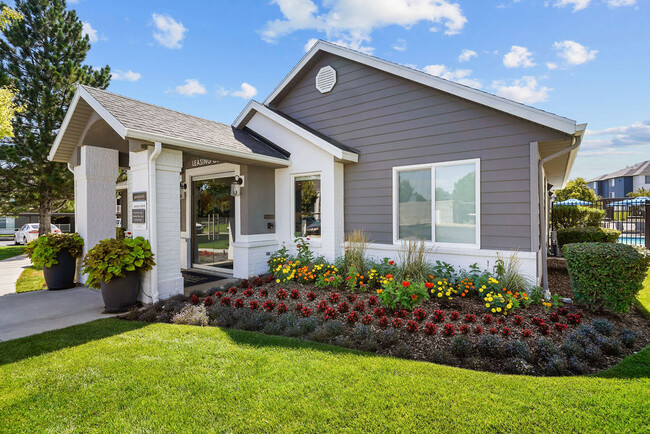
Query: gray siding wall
[[257, 199], [395, 122]]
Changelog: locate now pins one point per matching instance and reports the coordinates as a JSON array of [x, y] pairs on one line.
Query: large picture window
[[438, 202], [307, 208]]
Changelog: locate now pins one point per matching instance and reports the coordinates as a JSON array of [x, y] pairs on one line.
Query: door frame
[[215, 171]]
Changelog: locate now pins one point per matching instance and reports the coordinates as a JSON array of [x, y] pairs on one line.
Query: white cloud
[[578, 5], [518, 57], [87, 30], [617, 3], [310, 44], [126, 76], [246, 91], [399, 45], [351, 22], [466, 55], [637, 133], [191, 87], [574, 53], [170, 33], [459, 75], [525, 90], [551, 65]]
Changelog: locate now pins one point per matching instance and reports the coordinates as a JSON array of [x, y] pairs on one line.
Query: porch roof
[[133, 119]]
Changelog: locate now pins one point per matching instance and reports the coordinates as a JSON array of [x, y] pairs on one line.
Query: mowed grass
[[7, 252], [643, 297], [116, 376], [31, 279]]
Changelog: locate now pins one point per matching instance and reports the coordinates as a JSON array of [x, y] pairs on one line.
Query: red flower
[[574, 318], [455, 315], [253, 304], [406, 284], [526, 333], [545, 329], [218, 294], [487, 319], [353, 317], [282, 294], [519, 319], [430, 328], [372, 300], [249, 292], [225, 301], [501, 320], [245, 283], [207, 301], [334, 297], [389, 276], [239, 303], [428, 285], [464, 329], [195, 299], [493, 331], [268, 305], [379, 312], [367, 319], [414, 296], [322, 305], [562, 310], [264, 293], [391, 263], [343, 307], [330, 313], [419, 314], [352, 298], [506, 331], [269, 278], [470, 318], [560, 327], [400, 313], [438, 315], [360, 307], [450, 329], [232, 290], [478, 330], [555, 317], [282, 308], [397, 323], [383, 321], [295, 294], [305, 312], [311, 296], [412, 326]]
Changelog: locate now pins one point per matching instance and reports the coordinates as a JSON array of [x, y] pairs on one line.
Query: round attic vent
[[325, 79]]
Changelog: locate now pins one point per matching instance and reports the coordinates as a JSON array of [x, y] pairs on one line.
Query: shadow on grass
[[36, 345]]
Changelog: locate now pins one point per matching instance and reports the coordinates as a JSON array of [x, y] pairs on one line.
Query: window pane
[[307, 208], [415, 204], [456, 204]]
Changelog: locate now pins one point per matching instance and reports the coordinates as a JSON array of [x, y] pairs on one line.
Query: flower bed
[[537, 340]]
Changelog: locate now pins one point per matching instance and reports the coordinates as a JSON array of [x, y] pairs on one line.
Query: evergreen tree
[[41, 57]]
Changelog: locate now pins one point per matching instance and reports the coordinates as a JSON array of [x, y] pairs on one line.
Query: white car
[[29, 232]]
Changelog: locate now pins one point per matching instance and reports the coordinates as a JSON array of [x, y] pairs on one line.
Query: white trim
[[313, 241], [532, 114], [534, 197], [432, 167], [454, 249], [254, 106]]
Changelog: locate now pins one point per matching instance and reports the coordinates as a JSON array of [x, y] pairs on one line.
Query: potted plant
[[114, 267], [57, 255]]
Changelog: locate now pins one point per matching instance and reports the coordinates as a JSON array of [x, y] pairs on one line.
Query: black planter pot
[[122, 293], [61, 275]]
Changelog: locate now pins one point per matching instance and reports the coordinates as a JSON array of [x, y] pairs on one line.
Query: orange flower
[[429, 285], [414, 297], [406, 284], [391, 262], [389, 276], [379, 291]]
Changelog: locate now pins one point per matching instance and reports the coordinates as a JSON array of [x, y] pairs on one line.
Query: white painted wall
[[639, 182]]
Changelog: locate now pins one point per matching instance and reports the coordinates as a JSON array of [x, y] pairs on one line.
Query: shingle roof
[[142, 116], [642, 168]]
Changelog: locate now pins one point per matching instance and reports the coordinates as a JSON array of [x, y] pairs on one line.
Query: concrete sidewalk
[[10, 270], [39, 311]]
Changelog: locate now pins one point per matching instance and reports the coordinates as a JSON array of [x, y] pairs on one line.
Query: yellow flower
[[440, 294], [493, 310], [277, 280], [487, 304]]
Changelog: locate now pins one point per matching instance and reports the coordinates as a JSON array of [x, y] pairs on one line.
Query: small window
[[3, 223], [612, 194], [612, 182], [647, 179], [307, 196]]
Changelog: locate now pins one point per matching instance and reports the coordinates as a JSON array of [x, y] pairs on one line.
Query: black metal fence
[[630, 217]]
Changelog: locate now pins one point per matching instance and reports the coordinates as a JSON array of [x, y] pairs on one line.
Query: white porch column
[[94, 185], [165, 222]]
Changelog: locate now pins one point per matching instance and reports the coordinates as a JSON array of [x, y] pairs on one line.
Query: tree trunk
[[45, 211]]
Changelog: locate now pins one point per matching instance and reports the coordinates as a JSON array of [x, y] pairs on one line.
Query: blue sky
[[587, 60]]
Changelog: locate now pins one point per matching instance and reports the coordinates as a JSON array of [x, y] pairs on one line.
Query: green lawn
[[7, 252], [115, 376], [31, 280], [644, 296]]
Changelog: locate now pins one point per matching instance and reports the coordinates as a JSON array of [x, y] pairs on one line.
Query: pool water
[[626, 239]]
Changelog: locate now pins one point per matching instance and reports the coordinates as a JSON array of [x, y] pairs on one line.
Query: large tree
[[41, 57], [8, 107], [576, 189]]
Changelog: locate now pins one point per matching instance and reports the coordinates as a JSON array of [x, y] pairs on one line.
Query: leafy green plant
[[44, 249], [586, 235], [576, 216], [112, 258], [405, 294], [305, 256], [605, 274]]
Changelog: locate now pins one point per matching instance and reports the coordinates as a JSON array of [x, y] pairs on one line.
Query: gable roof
[[522, 111], [135, 119], [642, 168]]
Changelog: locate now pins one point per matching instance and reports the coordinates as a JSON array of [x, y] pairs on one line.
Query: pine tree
[[41, 57]]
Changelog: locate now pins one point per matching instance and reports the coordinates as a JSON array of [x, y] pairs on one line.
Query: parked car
[[29, 232]]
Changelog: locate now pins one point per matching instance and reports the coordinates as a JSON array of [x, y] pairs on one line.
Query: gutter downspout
[[153, 231], [543, 242]]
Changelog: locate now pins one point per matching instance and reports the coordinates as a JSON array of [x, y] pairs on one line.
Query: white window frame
[[612, 195], [612, 182], [313, 241], [432, 167]]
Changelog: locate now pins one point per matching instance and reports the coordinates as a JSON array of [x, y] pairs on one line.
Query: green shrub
[[606, 275], [112, 258], [575, 216], [586, 235], [44, 249]]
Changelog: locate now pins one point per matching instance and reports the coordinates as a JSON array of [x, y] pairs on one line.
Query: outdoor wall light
[[236, 185]]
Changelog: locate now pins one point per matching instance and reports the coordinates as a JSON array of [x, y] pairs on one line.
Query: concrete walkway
[[39, 311], [10, 270]]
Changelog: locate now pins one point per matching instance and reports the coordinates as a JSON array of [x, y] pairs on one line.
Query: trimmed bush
[[572, 216], [586, 235], [606, 275]]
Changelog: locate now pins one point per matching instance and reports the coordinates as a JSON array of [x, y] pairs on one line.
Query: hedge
[[574, 216], [586, 235], [606, 275]]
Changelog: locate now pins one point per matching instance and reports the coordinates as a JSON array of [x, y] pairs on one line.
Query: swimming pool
[[627, 239]]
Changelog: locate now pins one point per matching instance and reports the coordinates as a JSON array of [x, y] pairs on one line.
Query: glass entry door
[[213, 223]]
